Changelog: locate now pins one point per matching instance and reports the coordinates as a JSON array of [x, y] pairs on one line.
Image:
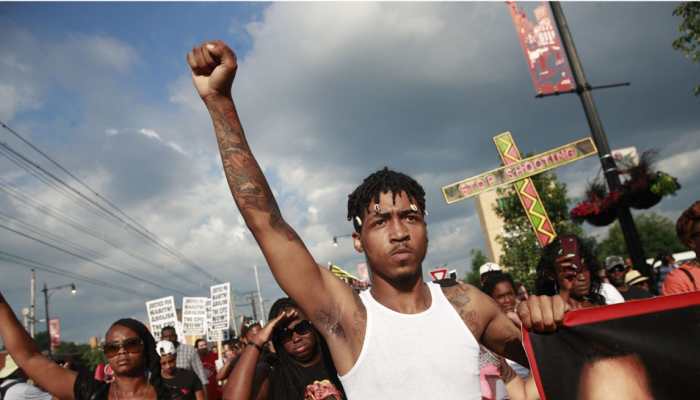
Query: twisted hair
[[546, 281], [287, 381], [382, 181], [151, 359]]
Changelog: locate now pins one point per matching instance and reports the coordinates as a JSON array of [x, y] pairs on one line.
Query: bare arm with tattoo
[[331, 304], [487, 322]]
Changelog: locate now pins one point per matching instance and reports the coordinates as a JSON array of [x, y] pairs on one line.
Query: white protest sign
[[194, 316], [220, 306], [161, 313]]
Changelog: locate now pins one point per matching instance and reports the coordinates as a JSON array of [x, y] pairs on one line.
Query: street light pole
[[46, 291], [583, 88], [46, 309]]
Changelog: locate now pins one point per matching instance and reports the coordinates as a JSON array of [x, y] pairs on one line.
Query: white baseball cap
[[165, 347], [489, 267]]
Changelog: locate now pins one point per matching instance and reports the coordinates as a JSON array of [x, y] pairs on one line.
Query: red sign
[[439, 274], [55, 332], [545, 56]]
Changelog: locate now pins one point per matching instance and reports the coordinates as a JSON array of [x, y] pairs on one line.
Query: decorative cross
[[517, 171]]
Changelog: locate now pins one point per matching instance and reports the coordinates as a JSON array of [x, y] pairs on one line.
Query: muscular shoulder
[[473, 306]]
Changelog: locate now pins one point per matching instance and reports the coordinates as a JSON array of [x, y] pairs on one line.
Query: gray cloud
[[328, 93]]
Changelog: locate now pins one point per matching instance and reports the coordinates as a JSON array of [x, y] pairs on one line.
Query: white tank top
[[429, 355]]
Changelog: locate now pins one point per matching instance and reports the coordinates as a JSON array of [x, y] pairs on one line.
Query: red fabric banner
[[55, 332], [545, 56]]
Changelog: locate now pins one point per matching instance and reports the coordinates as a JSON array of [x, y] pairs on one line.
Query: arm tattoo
[[458, 295], [245, 179]]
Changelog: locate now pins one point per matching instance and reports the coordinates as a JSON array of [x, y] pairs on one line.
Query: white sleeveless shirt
[[429, 355]]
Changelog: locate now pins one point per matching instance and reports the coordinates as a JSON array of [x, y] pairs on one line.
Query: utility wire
[[57, 240], [142, 231], [17, 260], [57, 214], [98, 263]]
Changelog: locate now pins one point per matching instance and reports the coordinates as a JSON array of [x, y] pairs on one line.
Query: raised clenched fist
[[213, 66]]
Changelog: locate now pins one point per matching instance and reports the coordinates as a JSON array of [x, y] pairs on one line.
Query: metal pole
[[32, 305], [46, 308], [629, 231], [257, 284]]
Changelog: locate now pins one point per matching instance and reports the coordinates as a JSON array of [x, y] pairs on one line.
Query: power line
[[58, 240], [57, 214], [17, 260], [139, 229], [88, 259]]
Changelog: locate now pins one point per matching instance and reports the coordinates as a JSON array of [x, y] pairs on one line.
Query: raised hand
[[213, 66], [542, 313], [265, 333]]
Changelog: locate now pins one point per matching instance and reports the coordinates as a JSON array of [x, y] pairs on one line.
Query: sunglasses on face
[[617, 268], [130, 345], [285, 334]]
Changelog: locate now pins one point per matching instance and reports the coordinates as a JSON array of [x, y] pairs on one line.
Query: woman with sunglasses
[[304, 369], [129, 347]]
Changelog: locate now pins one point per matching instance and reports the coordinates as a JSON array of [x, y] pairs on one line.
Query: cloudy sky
[[327, 93]]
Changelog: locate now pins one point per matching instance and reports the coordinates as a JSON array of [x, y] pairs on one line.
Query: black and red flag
[[643, 349]]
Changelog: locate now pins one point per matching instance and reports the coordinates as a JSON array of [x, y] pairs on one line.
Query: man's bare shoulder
[[471, 304]]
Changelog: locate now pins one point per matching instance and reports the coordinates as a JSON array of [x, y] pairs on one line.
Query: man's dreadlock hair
[[382, 181]]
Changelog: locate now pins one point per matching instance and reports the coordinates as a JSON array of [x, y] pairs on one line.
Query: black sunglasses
[[617, 268], [130, 345], [285, 334]]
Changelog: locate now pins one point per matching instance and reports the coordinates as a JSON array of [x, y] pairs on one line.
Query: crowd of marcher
[[403, 338]]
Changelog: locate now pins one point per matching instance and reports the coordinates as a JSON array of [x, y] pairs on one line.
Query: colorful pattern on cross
[[525, 189]]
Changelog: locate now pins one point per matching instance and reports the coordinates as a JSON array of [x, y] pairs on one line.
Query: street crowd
[[401, 338]]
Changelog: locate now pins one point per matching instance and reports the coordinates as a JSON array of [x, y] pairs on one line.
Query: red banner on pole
[[55, 332], [545, 56]]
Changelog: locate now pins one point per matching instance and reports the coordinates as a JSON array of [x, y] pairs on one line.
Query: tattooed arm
[[331, 303], [487, 322]]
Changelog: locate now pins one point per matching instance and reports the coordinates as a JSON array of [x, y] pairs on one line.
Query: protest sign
[[161, 313], [643, 349], [194, 316], [220, 306]]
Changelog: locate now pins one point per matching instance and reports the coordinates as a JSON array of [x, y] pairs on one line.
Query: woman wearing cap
[[568, 268], [182, 383], [304, 369], [129, 347], [686, 278]]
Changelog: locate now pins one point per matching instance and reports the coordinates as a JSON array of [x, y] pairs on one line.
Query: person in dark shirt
[[183, 384], [129, 348], [304, 369], [616, 271]]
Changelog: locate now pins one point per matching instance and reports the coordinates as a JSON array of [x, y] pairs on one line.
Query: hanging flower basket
[[642, 200], [646, 188], [603, 218], [600, 208]]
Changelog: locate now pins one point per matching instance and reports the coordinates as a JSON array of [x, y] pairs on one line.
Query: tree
[[42, 340], [657, 234], [521, 251], [478, 259], [689, 41]]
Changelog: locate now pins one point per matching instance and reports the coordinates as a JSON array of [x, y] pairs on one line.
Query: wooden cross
[[517, 171]]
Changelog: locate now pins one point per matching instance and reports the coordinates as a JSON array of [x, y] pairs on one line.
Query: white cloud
[[150, 133]]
